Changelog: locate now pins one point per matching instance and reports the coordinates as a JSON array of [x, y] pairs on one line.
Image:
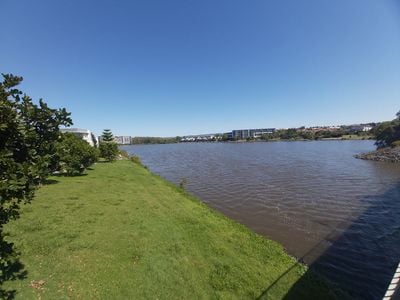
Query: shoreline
[[388, 154], [258, 141], [123, 220], [338, 293]]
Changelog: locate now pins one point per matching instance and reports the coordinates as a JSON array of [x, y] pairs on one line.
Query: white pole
[[394, 285]]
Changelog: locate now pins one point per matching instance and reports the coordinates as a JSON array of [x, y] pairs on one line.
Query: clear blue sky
[[166, 68]]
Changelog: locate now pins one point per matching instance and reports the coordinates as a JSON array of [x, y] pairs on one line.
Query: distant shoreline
[[260, 141], [301, 140]]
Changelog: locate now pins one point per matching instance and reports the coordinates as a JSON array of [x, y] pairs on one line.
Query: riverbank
[[385, 154], [121, 232], [342, 138]]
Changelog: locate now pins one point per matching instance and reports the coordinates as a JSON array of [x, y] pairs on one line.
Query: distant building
[[229, 135], [122, 140], [243, 134], [367, 128], [359, 127], [321, 128], [83, 134], [188, 139]]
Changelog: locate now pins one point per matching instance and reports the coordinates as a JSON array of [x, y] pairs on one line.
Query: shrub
[[124, 153], [74, 155], [387, 133], [108, 150], [396, 144], [136, 159]]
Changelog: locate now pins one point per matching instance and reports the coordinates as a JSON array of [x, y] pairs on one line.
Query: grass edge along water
[[120, 231]]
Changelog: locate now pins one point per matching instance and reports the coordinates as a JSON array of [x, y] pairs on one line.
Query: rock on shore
[[384, 154]]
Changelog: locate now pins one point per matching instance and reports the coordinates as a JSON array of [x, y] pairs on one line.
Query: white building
[[122, 140], [84, 134], [367, 128]]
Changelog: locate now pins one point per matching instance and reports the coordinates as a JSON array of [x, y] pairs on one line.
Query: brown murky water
[[339, 214]]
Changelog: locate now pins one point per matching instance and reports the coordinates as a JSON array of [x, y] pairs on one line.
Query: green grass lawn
[[121, 232], [356, 137]]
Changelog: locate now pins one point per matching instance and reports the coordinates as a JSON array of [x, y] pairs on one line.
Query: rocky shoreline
[[384, 154]]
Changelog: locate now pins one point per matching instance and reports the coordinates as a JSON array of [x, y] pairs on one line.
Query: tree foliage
[[74, 155], [155, 140], [224, 137], [108, 148], [303, 133], [28, 135], [107, 136], [387, 133]]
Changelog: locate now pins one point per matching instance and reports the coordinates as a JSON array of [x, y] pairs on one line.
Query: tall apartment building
[[243, 134]]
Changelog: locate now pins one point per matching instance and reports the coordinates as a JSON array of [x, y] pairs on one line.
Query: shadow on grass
[[10, 268], [362, 258], [69, 175], [50, 181]]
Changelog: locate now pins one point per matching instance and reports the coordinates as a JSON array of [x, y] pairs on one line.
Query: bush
[[136, 159], [124, 153], [396, 144], [387, 132], [74, 155], [108, 150]]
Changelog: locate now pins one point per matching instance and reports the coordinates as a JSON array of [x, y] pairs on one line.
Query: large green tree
[[28, 135]]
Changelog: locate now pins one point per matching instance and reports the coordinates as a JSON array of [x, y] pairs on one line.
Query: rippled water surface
[[341, 215]]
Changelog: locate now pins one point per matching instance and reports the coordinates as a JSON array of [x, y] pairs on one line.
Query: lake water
[[339, 214]]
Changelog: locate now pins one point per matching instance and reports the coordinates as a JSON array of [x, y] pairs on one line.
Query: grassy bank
[[357, 137], [121, 232]]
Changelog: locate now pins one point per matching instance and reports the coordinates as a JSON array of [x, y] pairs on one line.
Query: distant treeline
[[154, 140], [282, 134], [301, 133], [304, 134]]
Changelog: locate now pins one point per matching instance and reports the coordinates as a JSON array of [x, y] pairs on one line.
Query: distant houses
[[201, 138], [361, 127], [234, 135], [316, 132], [367, 128], [84, 134], [351, 129], [238, 134]]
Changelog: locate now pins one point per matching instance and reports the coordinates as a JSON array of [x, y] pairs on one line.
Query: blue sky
[[166, 68]]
